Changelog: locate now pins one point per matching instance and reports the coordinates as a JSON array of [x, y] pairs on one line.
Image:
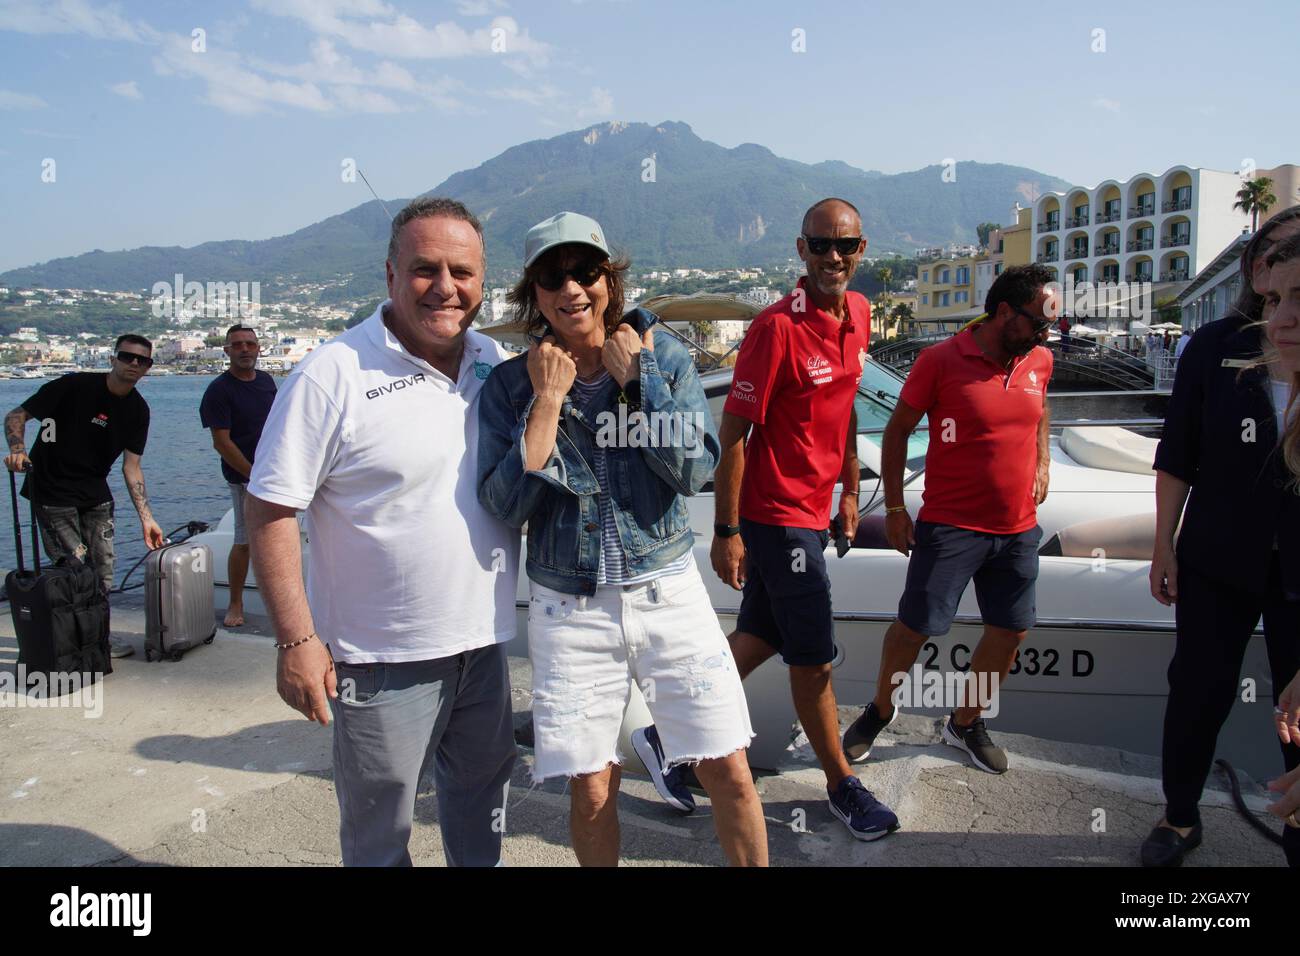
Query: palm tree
[[1254, 197], [886, 276]]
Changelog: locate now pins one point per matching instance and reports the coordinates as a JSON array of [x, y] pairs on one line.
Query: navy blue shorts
[[787, 596], [943, 561]]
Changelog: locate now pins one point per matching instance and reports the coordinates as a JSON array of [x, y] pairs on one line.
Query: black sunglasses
[[126, 358], [586, 274], [1035, 322], [845, 245]]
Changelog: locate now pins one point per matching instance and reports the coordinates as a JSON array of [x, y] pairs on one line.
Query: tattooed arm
[[133, 474], [15, 422]]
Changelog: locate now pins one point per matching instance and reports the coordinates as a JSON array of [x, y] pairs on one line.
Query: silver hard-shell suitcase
[[179, 613]]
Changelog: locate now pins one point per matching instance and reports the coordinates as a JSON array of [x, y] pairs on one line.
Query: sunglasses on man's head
[[126, 358], [586, 274], [845, 245]]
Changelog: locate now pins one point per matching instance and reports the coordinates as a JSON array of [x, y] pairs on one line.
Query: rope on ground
[[1240, 801]]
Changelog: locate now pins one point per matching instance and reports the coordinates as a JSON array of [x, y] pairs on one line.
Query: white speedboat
[[1092, 670]]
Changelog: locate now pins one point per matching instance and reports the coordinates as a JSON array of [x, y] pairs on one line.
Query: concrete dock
[[199, 762]]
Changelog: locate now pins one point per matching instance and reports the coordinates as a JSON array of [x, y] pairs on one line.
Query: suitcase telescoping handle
[[18, 537], [18, 528]]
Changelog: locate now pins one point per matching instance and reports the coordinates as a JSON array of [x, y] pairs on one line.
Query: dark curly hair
[[1016, 286], [523, 297]]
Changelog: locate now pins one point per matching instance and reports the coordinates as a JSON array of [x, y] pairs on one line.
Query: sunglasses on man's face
[[1036, 323], [126, 358], [845, 245], [586, 274]]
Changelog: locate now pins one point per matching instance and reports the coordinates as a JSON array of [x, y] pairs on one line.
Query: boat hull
[[1093, 671]]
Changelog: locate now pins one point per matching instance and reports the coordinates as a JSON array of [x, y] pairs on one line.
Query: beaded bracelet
[[285, 647]]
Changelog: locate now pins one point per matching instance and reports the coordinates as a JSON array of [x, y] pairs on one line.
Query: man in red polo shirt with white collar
[[792, 396], [986, 472]]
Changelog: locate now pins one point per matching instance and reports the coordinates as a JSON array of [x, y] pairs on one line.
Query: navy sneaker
[[671, 784], [865, 816]]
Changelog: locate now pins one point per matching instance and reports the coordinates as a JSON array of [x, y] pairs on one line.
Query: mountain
[[664, 195]]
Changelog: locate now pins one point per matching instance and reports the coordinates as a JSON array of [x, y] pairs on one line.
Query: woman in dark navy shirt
[[1282, 312], [1238, 551]]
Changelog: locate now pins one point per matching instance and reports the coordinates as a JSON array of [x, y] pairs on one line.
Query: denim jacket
[[648, 469]]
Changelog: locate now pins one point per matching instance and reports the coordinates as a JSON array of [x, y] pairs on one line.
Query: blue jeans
[[392, 718]]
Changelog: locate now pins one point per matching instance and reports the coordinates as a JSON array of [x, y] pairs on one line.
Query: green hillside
[[697, 204]]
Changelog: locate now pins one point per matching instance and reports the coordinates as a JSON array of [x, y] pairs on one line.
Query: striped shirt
[[613, 565]]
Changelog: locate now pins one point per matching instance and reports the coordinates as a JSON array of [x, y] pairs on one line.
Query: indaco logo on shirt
[[744, 392], [404, 382], [101, 420], [819, 368]]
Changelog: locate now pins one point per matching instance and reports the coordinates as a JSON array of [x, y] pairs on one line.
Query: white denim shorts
[[587, 651]]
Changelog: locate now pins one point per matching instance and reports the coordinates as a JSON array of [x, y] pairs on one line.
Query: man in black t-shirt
[[86, 421], [235, 407]]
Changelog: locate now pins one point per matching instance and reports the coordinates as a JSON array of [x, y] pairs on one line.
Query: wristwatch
[[631, 395], [726, 530]]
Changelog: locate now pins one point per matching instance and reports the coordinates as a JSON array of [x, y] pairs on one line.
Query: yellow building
[[945, 290], [1017, 240]]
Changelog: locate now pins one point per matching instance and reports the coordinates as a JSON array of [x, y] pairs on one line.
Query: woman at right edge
[[1221, 454]]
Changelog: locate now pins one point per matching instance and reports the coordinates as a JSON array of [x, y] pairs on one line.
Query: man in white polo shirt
[[410, 592]]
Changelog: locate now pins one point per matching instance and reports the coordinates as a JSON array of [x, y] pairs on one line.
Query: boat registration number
[[1031, 661]]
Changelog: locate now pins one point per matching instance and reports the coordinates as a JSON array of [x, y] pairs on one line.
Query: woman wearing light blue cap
[[594, 438]]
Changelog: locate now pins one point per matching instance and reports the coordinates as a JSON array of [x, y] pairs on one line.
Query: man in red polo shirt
[[792, 395], [986, 472]]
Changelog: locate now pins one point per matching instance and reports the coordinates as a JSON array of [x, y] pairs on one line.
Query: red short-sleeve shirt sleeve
[[758, 371], [919, 389]]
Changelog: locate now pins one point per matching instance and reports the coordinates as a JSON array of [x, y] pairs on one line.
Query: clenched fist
[[551, 370], [621, 353]]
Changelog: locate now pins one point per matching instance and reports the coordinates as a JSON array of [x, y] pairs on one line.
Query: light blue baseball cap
[[562, 228]]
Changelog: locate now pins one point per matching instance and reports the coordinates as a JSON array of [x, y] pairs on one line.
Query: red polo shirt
[[983, 452], [796, 376]]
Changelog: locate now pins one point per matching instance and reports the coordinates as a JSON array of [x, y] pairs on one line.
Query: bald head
[[827, 212]]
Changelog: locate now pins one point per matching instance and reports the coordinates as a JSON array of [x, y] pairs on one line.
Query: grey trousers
[[86, 533], [390, 719]]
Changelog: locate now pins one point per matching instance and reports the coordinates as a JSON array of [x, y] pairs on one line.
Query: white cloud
[[129, 89], [71, 16], [376, 27], [532, 95], [600, 104], [48, 134], [480, 8], [364, 101], [330, 69], [1102, 103], [231, 86], [328, 82], [9, 100]]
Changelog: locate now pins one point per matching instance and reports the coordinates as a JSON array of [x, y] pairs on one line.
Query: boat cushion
[[1110, 448]]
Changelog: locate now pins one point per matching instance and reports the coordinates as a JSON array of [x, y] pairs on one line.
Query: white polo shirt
[[380, 449]]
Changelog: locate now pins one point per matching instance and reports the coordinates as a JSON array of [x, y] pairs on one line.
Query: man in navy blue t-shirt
[[235, 407]]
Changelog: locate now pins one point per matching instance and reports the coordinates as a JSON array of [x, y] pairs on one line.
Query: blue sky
[[157, 143]]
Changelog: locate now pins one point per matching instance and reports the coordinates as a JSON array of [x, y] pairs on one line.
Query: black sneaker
[[862, 733], [975, 741], [671, 784]]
